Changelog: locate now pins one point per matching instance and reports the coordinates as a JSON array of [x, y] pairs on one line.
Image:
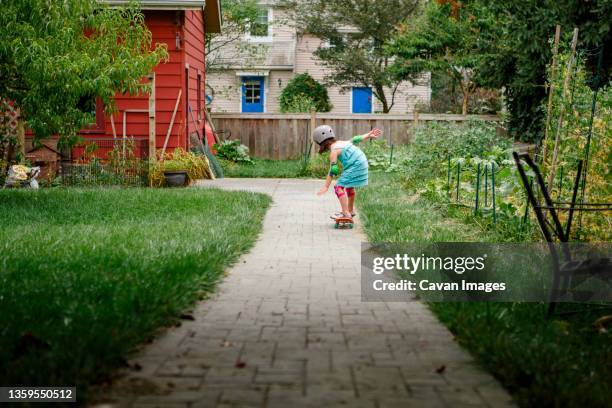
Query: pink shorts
[[340, 191]]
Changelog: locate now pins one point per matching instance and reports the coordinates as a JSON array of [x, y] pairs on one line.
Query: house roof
[[212, 9], [212, 16], [43, 146], [163, 4]]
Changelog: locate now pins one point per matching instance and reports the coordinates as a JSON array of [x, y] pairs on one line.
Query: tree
[[442, 39], [354, 34], [303, 93], [56, 56], [239, 16], [515, 52], [506, 46]]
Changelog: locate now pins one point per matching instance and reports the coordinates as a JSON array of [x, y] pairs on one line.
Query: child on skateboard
[[354, 163]]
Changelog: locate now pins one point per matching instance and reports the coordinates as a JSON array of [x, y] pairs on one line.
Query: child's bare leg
[[343, 198], [344, 204], [350, 193]]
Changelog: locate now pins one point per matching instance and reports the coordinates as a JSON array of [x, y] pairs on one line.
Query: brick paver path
[[286, 328]]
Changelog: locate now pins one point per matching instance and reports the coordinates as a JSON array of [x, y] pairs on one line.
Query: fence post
[[486, 186], [493, 192], [448, 176], [391, 157], [313, 125], [550, 94], [527, 205], [306, 145], [477, 187], [568, 74], [560, 183], [458, 179], [20, 137], [152, 151]]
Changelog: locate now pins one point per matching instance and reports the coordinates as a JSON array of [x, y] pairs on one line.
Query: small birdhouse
[[47, 158]]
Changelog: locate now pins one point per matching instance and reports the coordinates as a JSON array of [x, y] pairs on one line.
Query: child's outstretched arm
[[333, 171], [374, 133]]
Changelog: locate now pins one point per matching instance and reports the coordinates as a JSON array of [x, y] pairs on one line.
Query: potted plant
[[175, 173]]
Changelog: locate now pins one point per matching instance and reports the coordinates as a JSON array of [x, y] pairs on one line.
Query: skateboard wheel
[[351, 226], [337, 226]]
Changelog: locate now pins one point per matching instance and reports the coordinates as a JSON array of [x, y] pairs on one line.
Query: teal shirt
[[355, 167]]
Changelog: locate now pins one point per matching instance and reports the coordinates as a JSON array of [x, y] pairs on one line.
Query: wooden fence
[[284, 136]]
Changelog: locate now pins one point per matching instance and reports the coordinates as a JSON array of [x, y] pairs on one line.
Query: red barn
[[181, 24]]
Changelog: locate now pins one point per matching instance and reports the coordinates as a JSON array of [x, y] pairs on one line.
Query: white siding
[[227, 88], [274, 91], [290, 54]]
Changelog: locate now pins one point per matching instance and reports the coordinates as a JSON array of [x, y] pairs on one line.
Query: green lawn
[[264, 168], [87, 274], [563, 362]]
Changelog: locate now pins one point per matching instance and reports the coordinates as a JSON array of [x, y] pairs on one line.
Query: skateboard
[[344, 223]]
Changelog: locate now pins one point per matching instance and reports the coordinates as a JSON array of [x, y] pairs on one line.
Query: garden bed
[[563, 362]]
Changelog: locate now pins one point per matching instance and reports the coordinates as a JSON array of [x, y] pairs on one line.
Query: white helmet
[[322, 133]]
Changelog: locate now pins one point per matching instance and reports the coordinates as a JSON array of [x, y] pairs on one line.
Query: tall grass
[[86, 274]]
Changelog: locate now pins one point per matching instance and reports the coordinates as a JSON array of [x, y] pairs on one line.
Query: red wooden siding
[[164, 26], [194, 56], [171, 77]]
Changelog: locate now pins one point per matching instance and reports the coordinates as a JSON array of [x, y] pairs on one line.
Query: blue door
[[252, 94], [362, 100]]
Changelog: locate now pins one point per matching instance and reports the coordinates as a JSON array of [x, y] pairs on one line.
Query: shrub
[[234, 151], [302, 93], [299, 103]]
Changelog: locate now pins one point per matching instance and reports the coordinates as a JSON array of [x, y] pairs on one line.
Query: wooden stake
[[20, 136], [112, 120], [178, 100], [212, 126], [313, 124], [152, 150], [568, 74], [553, 72]]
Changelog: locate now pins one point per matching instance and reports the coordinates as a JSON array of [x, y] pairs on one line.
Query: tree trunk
[[380, 94], [464, 105], [386, 108], [464, 84]]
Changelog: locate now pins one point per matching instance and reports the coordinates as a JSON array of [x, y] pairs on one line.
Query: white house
[[252, 82]]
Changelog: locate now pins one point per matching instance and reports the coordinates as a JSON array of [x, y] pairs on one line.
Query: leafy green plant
[[233, 151], [175, 165], [120, 166], [59, 57], [561, 362], [303, 93], [576, 110], [196, 166], [434, 142], [300, 103]]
